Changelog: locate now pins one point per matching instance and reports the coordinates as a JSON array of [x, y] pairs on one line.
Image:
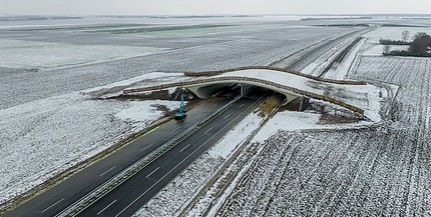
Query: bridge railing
[[235, 79], [218, 72]]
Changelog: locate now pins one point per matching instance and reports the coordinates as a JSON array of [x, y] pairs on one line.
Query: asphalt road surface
[[160, 172], [131, 195], [307, 56], [54, 200]]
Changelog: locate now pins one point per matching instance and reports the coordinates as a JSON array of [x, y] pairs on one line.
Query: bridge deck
[[360, 97]]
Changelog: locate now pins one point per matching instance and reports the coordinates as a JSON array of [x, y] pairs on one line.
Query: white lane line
[[208, 130], [107, 171], [179, 164], [226, 116], [184, 148], [176, 129], [52, 205], [241, 105], [147, 146], [140, 196], [153, 172], [106, 207]]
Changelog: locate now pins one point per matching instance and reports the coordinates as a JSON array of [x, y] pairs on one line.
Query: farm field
[[51, 121], [382, 170]]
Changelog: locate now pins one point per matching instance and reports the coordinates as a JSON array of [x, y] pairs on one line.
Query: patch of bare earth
[[379, 171]]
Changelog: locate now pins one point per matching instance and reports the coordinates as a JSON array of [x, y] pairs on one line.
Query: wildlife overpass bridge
[[352, 95]]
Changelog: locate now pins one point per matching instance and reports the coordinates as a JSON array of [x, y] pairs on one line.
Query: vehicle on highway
[[180, 115]]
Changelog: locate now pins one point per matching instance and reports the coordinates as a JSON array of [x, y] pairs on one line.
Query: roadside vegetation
[[266, 107]]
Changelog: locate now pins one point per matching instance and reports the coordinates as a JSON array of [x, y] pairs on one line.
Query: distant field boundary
[[218, 72]]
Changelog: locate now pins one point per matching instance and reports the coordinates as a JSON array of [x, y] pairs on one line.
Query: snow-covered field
[[45, 137], [43, 55], [49, 119], [381, 170], [50, 122], [393, 33]]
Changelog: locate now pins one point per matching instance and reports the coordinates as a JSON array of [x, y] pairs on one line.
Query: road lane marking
[[226, 116], [208, 130], [179, 164], [176, 129], [107, 171], [185, 148], [106, 207], [242, 105], [140, 196], [147, 146], [52, 205], [153, 172]]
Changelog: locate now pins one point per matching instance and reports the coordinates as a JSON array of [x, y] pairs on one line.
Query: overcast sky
[[207, 7]]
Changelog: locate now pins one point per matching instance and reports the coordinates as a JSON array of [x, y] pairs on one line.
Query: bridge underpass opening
[[207, 90]]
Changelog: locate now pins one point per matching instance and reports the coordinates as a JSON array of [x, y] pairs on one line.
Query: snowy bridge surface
[[356, 96]]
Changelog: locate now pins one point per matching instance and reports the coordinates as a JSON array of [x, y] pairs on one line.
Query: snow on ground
[[174, 197], [340, 71], [393, 33], [373, 47], [382, 170], [366, 97], [292, 121], [42, 138], [47, 125], [317, 67], [143, 113], [43, 55]]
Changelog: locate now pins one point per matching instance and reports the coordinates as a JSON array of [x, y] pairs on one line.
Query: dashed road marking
[[106, 207], [153, 172], [107, 171], [52, 205], [185, 148]]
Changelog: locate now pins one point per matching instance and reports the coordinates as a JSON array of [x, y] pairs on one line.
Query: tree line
[[418, 47]]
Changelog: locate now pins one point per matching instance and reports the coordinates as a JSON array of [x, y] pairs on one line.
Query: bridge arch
[[206, 90], [289, 84]]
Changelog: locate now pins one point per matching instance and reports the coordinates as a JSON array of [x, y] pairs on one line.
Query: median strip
[[121, 177]]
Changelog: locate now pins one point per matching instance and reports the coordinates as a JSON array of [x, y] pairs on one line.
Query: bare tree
[[386, 49], [405, 35], [419, 35]]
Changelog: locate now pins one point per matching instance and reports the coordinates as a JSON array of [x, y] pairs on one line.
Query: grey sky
[[204, 7]]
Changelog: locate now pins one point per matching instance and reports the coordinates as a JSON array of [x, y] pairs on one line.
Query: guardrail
[[117, 180], [218, 72], [239, 78]]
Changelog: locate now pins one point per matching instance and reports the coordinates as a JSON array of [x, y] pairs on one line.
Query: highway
[[135, 192], [151, 179], [131, 195], [303, 58]]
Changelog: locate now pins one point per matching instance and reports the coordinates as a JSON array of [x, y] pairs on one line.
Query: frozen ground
[[393, 33], [42, 138], [47, 125], [43, 55], [365, 97], [239, 46], [381, 170]]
